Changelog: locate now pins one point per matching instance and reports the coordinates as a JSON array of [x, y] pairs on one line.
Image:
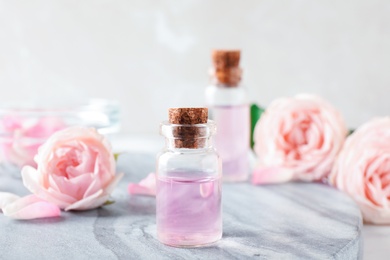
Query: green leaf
[[116, 155], [109, 202], [256, 113]]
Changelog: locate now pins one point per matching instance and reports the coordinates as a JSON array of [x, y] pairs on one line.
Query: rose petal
[[44, 127], [110, 187], [31, 182], [88, 203], [25, 135], [74, 187], [268, 175], [97, 199], [31, 207], [146, 186], [7, 198]]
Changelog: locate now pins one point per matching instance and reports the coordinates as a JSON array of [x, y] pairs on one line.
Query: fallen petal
[[146, 186], [31, 207], [7, 198], [269, 175]]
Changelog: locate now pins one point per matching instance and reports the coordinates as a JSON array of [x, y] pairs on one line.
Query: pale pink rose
[[21, 137], [146, 186], [363, 170], [76, 171], [297, 138]]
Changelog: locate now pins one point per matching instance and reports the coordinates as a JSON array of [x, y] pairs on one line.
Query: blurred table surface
[[376, 237]]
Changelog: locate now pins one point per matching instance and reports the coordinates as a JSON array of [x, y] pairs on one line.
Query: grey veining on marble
[[289, 221]]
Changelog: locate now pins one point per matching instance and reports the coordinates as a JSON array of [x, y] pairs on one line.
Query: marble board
[[287, 221]]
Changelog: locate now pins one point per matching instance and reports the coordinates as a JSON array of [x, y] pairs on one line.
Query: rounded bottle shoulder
[[189, 161]]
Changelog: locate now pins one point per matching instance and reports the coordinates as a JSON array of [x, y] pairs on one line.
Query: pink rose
[[23, 136], [297, 138], [363, 170], [76, 171]]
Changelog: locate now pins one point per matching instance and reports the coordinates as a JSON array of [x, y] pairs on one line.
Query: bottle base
[[235, 170], [189, 242], [235, 178]]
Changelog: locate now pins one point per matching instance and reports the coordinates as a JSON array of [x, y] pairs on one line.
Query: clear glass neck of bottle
[[188, 137], [226, 78], [220, 93]]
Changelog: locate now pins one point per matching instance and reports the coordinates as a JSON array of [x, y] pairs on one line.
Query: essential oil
[[188, 199], [229, 109]]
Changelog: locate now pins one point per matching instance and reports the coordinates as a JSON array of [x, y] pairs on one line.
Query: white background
[[151, 55]]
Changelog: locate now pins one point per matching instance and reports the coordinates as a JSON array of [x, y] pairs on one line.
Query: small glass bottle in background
[[188, 199], [229, 109]]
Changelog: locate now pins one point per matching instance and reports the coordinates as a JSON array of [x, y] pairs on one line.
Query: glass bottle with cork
[[229, 109], [188, 199]]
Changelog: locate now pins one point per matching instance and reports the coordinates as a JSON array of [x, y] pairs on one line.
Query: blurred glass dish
[[24, 128]]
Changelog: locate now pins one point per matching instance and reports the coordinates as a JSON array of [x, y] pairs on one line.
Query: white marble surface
[[376, 238], [152, 55], [289, 221], [376, 242]]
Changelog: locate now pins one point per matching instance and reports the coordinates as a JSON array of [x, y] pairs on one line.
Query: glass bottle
[[229, 109], [188, 199]]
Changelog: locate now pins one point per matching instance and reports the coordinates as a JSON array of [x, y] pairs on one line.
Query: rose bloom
[[22, 137], [363, 170], [76, 170], [297, 138]]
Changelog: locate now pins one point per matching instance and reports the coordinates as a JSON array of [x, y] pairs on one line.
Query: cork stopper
[[188, 116], [226, 67], [187, 134]]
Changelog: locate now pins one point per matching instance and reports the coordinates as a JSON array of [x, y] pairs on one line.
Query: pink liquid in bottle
[[188, 209], [232, 140]]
